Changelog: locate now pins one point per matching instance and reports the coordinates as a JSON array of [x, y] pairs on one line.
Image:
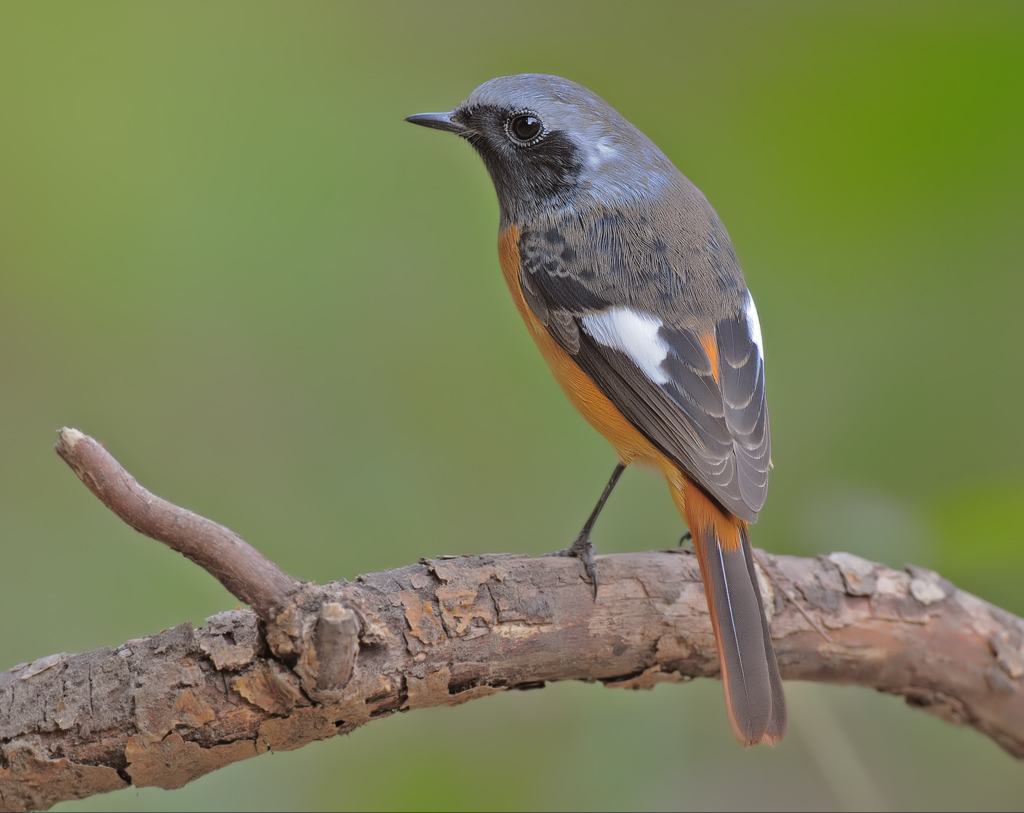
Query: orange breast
[[602, 414], [582, 392]]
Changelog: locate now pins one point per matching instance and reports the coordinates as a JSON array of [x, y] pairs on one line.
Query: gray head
[[549, 144]]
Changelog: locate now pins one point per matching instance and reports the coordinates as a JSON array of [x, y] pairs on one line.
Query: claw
[[583, 549]]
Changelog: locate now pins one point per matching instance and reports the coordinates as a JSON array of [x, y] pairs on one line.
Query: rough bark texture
[[167, 709], [312, 661]]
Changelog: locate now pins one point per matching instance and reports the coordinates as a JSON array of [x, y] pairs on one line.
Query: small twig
[[222, 553]]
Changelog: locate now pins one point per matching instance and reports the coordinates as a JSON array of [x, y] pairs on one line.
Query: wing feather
[[709, 415]]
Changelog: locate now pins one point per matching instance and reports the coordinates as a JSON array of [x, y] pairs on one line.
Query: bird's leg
[[582, 548], [687, 537]]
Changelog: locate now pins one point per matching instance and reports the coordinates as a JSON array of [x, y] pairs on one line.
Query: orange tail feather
[[750, 674]]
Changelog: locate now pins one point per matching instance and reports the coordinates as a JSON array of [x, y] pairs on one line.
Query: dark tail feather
[[753, 688], [777, 724]]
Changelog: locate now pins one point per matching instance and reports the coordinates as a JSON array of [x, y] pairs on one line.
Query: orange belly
[[582, 392], [630, 444]]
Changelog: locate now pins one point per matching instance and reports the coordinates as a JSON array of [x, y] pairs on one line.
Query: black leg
[[687, 537], [582, 548]]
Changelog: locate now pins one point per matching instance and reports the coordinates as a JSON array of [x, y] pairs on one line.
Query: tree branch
[[222, 553], [315, 661]]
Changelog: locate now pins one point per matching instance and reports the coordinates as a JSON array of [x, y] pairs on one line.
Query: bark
[[313, 661]]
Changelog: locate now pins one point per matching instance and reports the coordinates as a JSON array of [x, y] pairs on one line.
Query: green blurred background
[[224, 254]]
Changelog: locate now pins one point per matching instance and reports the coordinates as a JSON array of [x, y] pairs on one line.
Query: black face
[[532, 166]]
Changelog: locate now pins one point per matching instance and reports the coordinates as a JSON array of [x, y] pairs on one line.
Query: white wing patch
[[753, 325], [635, 334]]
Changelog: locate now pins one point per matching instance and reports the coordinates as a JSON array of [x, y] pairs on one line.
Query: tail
[[753, 688]]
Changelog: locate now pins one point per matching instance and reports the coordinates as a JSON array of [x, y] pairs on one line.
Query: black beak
[[439, 121]]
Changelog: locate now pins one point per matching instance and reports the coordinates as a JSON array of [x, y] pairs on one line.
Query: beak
[[439, 121]]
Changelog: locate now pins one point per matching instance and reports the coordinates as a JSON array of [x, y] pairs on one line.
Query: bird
[[629, 284]]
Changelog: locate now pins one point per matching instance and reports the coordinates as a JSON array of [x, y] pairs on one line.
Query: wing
[[678, 351]]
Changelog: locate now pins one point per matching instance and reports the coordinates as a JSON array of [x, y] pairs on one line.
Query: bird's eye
[[525, 129]]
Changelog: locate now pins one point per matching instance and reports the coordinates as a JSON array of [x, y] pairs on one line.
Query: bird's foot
[[583, 549]]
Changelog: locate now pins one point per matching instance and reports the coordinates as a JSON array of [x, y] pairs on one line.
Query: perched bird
[[630, 286]]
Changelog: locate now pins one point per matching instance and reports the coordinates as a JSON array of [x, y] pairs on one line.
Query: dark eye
[[525, 128]]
